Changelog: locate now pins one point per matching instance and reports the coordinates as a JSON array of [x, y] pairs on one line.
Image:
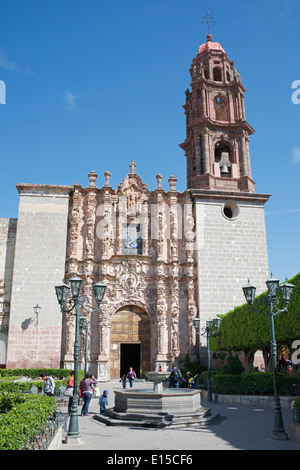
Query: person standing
[[123, 380], [131, 375], [175, 377], [70, 388], [49, 384], [87, 392]]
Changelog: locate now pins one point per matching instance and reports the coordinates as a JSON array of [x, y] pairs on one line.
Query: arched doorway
[[130, 342]]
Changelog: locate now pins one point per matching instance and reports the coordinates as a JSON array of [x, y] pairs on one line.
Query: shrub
[[193, 367], [296, 407], [250, 383], [58, 374], [233, 366], [22, 417]]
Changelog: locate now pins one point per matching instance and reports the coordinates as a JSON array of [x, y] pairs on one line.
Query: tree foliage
[[243, 330]]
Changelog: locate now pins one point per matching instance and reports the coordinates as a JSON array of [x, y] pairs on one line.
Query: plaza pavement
[[237, 428]]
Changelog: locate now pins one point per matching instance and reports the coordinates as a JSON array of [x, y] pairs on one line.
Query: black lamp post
[[207, 330], [84, 329], [196, 322], [269, 307], [76, 302]]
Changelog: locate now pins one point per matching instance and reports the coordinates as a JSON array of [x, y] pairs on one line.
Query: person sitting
[[103, 401]]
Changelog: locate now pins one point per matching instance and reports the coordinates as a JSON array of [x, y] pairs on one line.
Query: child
[[123, 380], [103, 401]]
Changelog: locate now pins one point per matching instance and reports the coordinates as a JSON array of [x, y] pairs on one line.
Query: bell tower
[[231, 245], [217, 133]]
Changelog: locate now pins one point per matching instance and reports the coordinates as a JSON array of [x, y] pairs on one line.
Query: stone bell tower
[[229, 215], [217, 142]]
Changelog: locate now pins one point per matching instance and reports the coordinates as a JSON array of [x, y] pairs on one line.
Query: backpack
[[175, 375]]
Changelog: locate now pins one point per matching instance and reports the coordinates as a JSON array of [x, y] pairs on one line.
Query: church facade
[[166, 257]]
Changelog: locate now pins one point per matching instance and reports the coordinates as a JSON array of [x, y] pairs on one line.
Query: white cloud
[[70, 101], [296, 154], [11, 66], [5, 63]]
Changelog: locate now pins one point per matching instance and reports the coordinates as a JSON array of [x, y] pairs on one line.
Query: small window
[[230, 210], [132, 239]]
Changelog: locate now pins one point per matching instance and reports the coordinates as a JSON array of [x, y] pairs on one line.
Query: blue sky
[[91, 85]]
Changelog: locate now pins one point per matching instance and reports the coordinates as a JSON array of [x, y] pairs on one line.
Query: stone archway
[[130, 341]]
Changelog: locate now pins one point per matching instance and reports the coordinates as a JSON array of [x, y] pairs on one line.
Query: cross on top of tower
[[208, 19]]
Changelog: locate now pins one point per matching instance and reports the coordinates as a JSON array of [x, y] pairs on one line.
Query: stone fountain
[[157, 407]]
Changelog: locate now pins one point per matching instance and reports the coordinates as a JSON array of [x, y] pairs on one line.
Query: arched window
[[217, 74], [220, 108], [223, 156]]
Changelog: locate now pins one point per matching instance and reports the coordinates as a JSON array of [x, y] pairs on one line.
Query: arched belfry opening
[[130, 342]]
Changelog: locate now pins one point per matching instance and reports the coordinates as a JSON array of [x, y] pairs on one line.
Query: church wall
[[7, 250], [39, 266], [229, 252]]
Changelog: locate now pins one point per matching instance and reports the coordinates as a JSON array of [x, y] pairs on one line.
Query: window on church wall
[[220, 106], [217, 74], [132, 243]]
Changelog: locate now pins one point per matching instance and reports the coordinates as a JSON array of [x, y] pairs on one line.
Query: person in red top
[[70, 386], [87, 392]]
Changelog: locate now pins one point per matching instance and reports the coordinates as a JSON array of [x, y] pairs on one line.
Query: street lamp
[[76, 302], [196, 322], [269, 306], [84, 329], [207, 330]]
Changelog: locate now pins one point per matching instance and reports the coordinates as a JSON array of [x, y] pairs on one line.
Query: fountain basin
[[173, 401], [146, 408]]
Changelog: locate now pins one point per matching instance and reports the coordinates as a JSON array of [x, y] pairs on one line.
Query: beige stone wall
[[229, 252], [7, 251], [39, 265]]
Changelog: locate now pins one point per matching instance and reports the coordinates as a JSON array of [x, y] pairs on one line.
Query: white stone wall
[[229, 252], [39, 265]]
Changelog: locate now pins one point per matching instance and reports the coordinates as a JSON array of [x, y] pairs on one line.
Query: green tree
[[243, 330]]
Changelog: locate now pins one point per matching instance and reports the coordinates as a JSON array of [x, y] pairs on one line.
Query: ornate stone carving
[[160, 280]]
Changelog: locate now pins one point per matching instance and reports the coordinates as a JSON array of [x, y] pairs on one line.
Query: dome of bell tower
[[210, 45]]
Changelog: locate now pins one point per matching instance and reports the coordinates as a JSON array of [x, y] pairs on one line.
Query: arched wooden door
[[130, 342]]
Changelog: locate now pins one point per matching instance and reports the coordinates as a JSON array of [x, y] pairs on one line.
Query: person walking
[[49, 384], [123, 380], [175, 377], [87, 392], [131, 375]]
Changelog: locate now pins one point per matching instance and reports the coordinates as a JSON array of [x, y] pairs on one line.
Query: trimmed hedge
[[22, 417], [296, 407], [251, 383], [35, 373], [8, 377]]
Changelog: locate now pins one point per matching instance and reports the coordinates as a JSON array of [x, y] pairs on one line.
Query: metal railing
[[43, 439]]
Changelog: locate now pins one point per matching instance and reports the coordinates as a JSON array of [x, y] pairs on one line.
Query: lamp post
[[76, 302], [207, 330], [84, 329], [196, 322], [269, 306]]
